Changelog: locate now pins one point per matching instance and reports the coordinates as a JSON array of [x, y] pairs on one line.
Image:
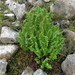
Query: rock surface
[[6, 51], [8, 35], [64, 8], [28, 71], [39, 72], [10, 15], [18, 9], [46, 0], [68, 65], [3, 65], [69, 34], [32, 1]]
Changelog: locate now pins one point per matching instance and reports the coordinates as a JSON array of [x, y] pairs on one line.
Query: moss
[[20, 1], [72, 26], [46, 5], [2, 17], [53, 1], [7, 21], [20, 61], [58, 17]]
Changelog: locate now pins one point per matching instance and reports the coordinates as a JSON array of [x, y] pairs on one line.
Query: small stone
[[69, 34], [32, 1], [39, 2], [16, 23], [47, 0], [39, 72], [6, 51], [8, 35], [68, 65], [18, 9], [6, 11], [28, 71], [63, 22], [3, 65], [10, 15], [0, 9]]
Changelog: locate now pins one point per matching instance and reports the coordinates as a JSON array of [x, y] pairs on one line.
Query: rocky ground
[[15, 61]]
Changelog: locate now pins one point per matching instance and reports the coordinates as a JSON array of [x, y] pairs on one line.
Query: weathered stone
[[32, 1], [8, 35], [3, 65], [69, 34], [6, 11], [39, 72], [28, 71], [68, 65], [47, 0], [63, 23], [18, 9], [10, 15], [65, 8], [16, 23], [6, 51]]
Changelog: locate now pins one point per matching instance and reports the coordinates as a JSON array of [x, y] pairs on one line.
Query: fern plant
[[40, 36]]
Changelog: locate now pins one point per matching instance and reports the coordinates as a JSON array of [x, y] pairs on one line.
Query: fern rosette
[[40, 36]]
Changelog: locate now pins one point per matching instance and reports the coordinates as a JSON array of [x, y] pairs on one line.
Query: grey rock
[[68, 65], [39, 72], [32, 1], [27, 71], [65, 8], [18, 9], [3, 65], [6, 11], [0, 9], [47, 0], [69, 34], [64, 22], [10, 15], [16, 23], [6, 51], [8, 35]]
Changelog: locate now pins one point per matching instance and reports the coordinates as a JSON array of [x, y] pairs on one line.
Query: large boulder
[[6, 51], [64, 8], [18, 9], [8, 35], [3, 65], [68, 65]]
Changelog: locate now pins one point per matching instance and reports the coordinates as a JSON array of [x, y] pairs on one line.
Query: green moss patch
[[20, 61]]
